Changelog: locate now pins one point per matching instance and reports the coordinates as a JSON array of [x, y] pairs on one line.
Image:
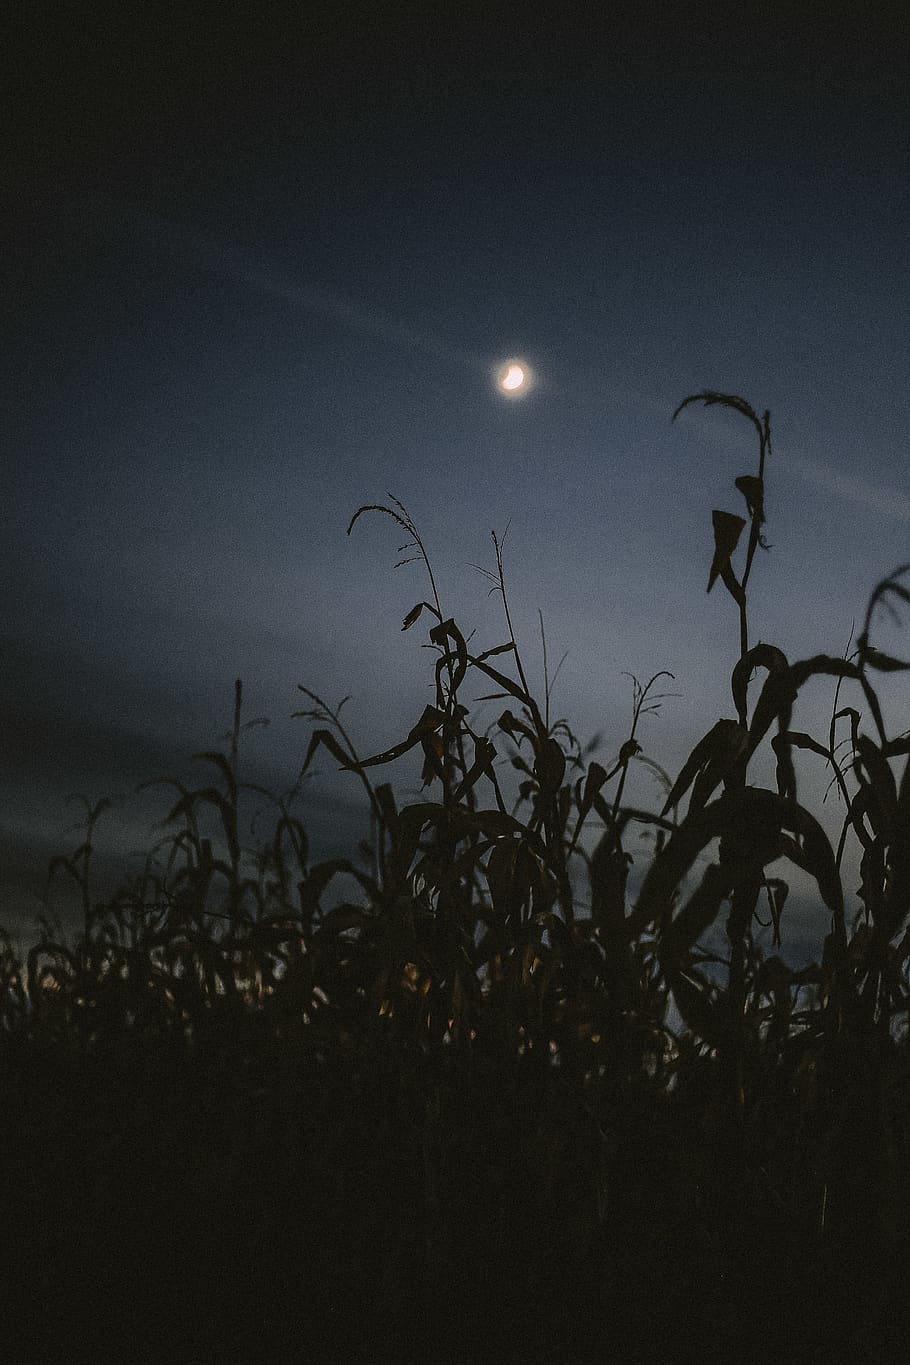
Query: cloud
[[328, 304], [884, 502], [213, 253]]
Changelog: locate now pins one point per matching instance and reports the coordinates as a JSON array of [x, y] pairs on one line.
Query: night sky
[[260, 270]]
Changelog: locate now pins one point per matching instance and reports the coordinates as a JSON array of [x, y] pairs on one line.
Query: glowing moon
[[513, 379]]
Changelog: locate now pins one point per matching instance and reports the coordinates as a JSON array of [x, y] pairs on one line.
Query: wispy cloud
[[214, 253], [328, 304], [883, 501]]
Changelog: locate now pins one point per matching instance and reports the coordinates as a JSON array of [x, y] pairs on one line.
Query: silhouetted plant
[[476, 1052]]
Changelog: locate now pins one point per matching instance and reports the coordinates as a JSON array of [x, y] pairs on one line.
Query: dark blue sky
[[261, 270]]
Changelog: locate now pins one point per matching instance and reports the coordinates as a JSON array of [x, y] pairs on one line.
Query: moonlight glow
[[513, 379]]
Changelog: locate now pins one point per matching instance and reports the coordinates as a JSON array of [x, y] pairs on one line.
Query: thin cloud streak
[[884, 502], [327, 304], [214, 254]]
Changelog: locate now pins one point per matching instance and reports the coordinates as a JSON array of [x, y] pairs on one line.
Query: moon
[[513, 378]]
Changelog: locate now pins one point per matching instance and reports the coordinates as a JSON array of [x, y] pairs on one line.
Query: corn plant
[[498, 1042]]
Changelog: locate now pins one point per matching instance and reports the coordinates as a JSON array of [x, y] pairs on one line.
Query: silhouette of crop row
[[475, 1055]]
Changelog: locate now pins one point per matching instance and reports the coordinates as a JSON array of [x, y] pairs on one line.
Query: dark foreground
[[166, 1206]]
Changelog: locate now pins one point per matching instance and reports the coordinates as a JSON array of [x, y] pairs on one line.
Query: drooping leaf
[[414, 614], [430, 720], [699, 912], [445, 631], [727, 531], [434, 750], [800, 740], [775, 703], [412, 820], [753, 490], [221, 762], [883, 792], [550, 766], [839, 668], [764, 656], [819, 856], [732, 584], [885, 589], [720, 765], [328, 741], [715, 752], [870, 657], [513, 689], [609, 873], [511, 725], [595, 778], [748, 821], [508, 648], [484, 756], [312, 886]]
